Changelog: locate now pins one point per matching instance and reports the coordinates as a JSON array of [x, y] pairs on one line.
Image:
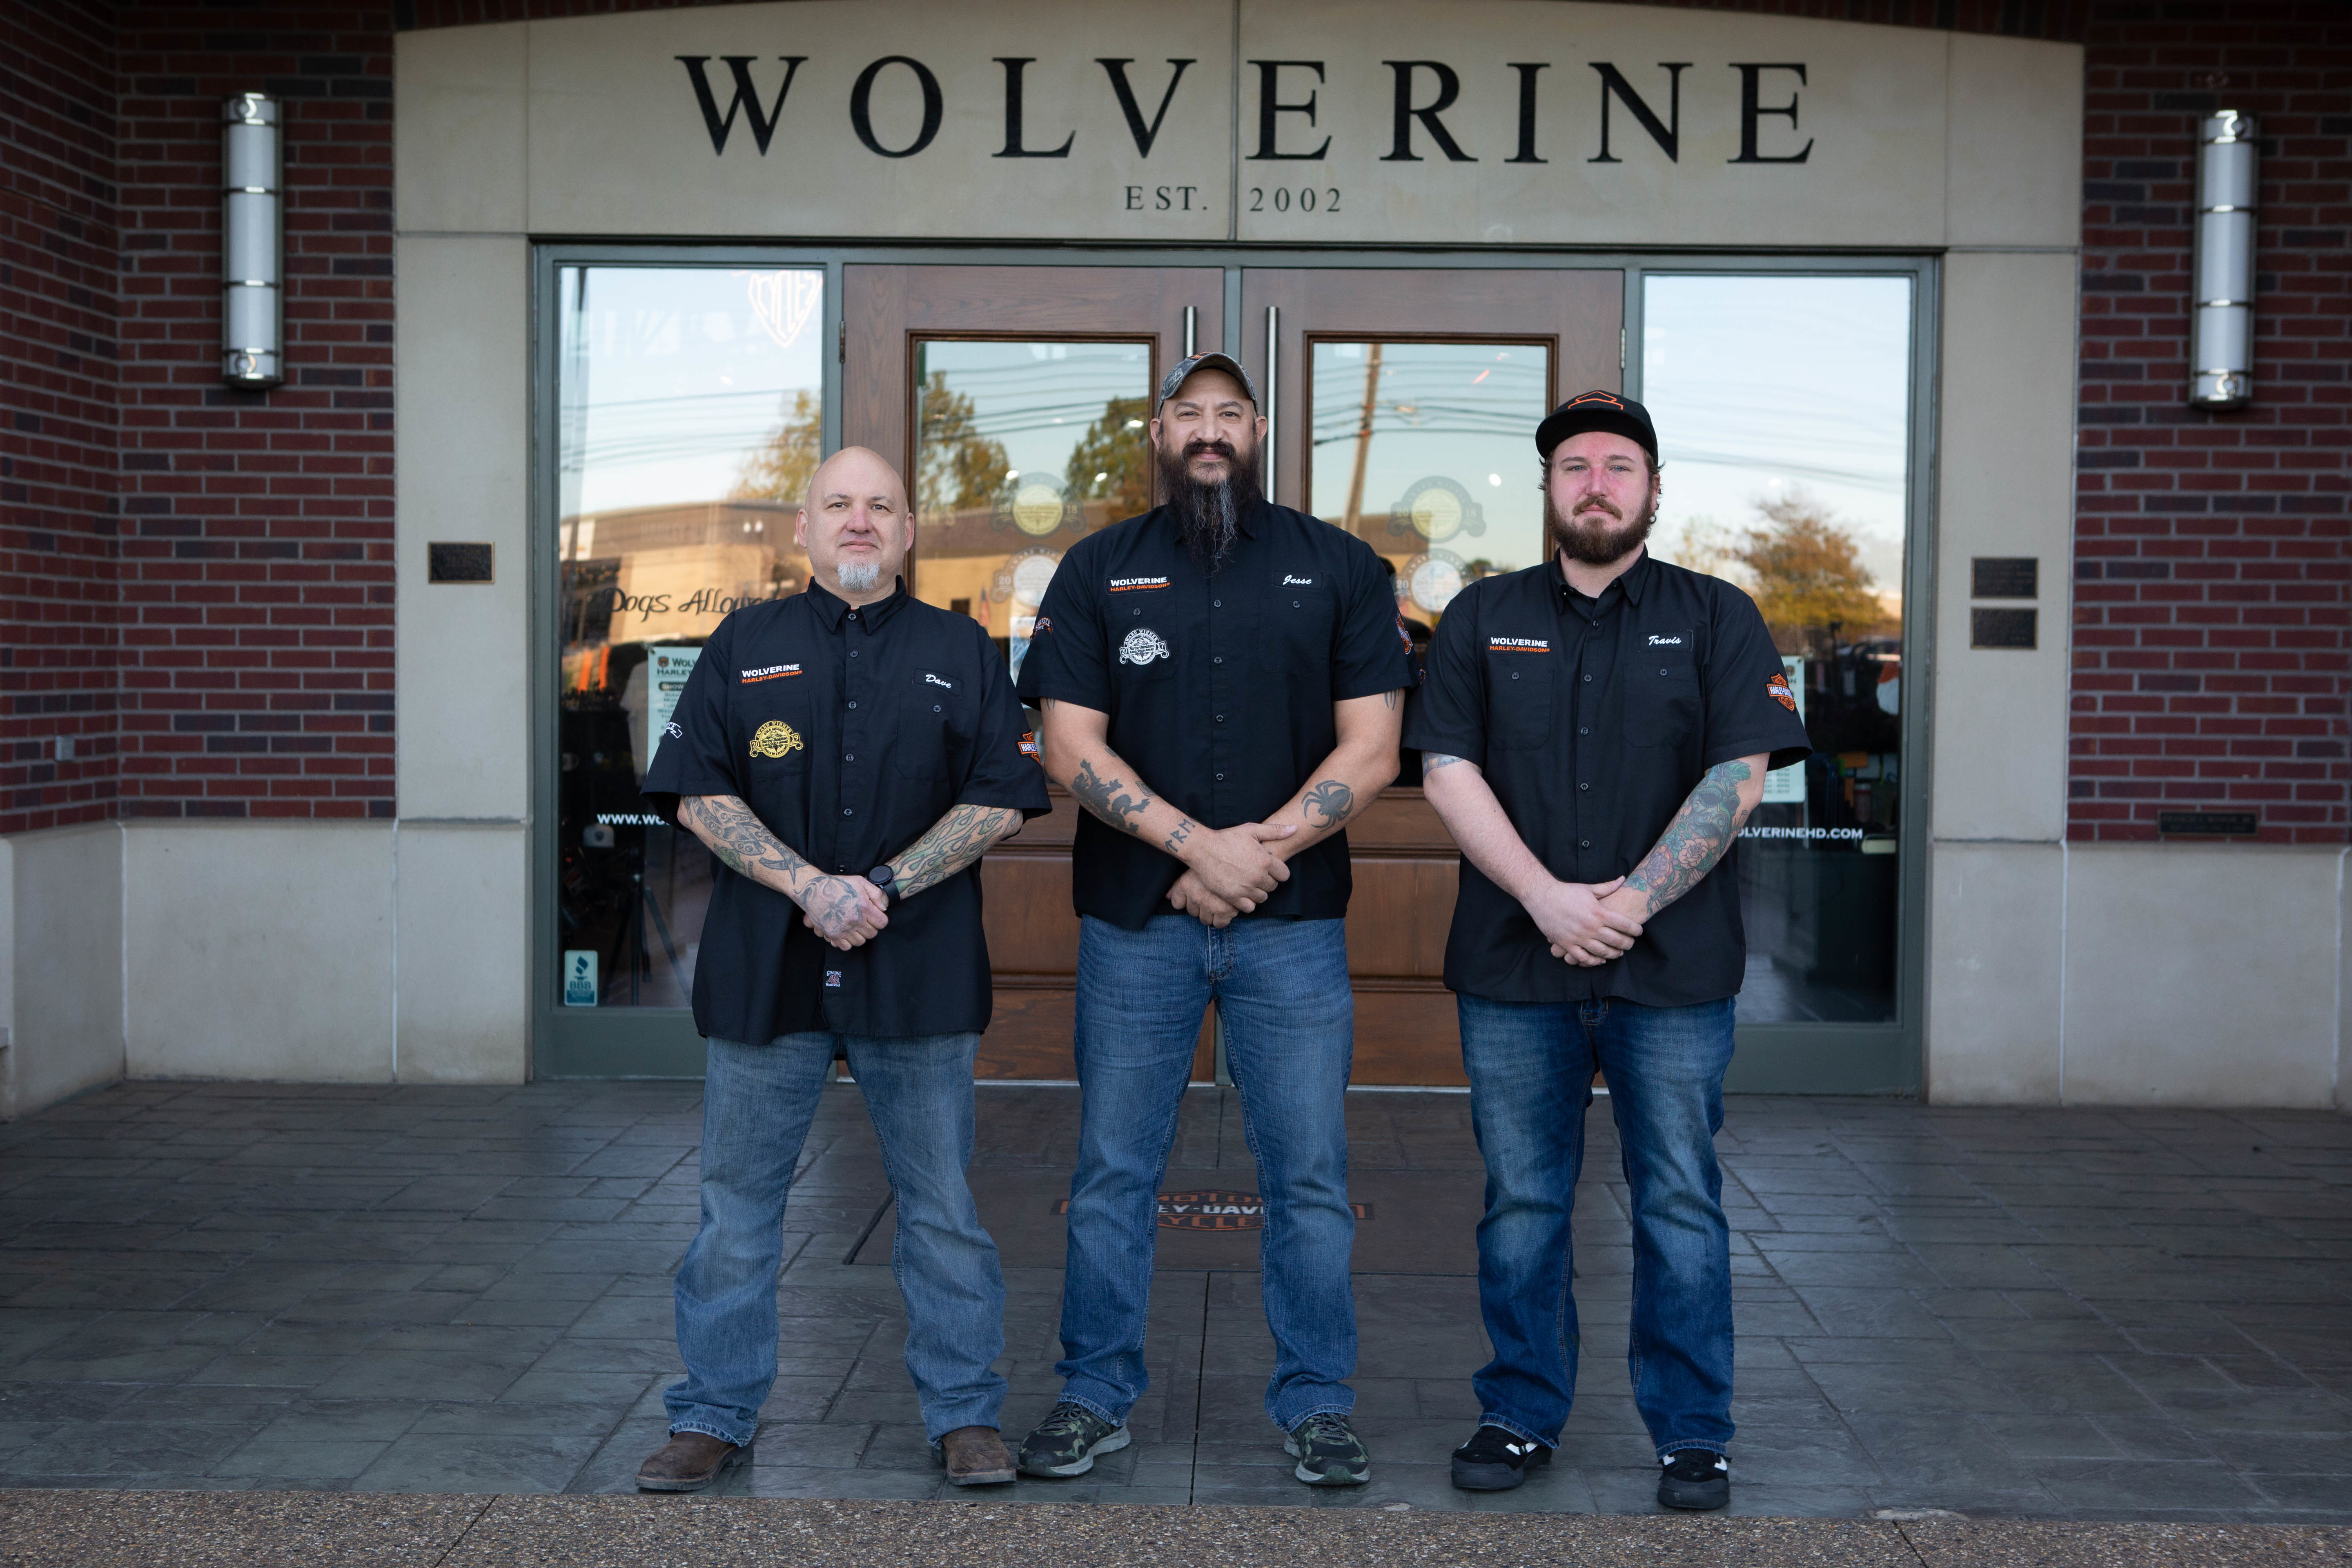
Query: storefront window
[[689, 421], [1782, 406], [1021, 449], [1420, 449]]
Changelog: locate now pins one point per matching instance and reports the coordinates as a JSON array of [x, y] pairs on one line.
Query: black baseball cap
[[1597, 411], [1185, 367]]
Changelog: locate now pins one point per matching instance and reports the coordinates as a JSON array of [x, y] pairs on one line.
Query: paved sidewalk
[[2057, 1314], [290, 1530]]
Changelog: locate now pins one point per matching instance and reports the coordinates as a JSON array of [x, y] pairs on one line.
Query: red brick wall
[[57, 237], [2211, 663], [257, 572]]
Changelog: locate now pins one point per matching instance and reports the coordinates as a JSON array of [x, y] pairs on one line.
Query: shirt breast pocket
[[1520, 689], [935, 726], [1662, 706], [1294, 627]]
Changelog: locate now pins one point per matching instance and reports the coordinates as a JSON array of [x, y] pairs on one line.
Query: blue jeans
[[1281, 986], [757, 1104], [1530, 1066]]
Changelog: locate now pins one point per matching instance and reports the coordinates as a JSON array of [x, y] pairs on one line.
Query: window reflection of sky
[[671, 375], [1465, 411], [1038, 399], [1760, 384]]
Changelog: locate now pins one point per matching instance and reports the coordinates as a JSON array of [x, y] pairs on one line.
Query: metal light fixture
[[2221, 269], [253, 229]]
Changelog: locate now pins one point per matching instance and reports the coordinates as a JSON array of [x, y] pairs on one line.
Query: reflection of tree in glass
[[780, 468], [1807, 571], [1112, 460], [960, 468]]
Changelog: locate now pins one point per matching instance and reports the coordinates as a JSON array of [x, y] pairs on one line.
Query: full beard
[[859, 577], [1599, 536], [1209, 515]]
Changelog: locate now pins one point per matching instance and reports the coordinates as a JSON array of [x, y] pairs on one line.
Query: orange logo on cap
[[1596, 397]]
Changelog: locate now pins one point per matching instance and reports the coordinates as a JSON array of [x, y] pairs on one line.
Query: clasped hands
[[1589, 924], [845, 910], [1230, 871]]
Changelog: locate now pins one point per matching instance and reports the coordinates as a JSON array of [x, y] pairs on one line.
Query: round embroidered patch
[[1141, 647], [775, 738]]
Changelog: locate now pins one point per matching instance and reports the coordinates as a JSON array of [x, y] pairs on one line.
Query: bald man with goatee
[[846, 756]]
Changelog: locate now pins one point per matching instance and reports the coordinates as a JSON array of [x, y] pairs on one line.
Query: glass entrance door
[[1404, 406], [1017, 398]]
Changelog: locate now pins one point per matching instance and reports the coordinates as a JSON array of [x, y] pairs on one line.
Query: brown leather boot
[[976, 1457], [688, 1462]]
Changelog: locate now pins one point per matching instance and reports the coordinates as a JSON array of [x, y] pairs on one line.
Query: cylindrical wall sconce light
[[253, 229], [2222, 267]]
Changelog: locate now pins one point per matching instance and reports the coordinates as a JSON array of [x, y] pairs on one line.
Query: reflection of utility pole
[[1355, 514]]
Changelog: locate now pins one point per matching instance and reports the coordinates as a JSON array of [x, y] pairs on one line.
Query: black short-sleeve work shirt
[[848, 732], [1218, 686], [1593, 720]]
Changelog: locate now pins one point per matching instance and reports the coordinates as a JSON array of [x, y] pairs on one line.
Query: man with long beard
[[1595, 732], [1221, 683]]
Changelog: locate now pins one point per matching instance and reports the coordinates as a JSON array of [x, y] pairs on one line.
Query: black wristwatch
[[884, 879]]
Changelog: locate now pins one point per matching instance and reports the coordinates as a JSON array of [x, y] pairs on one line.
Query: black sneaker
[[1066, 1441], [1494, 1460], [1328, 1452], [1695, 1480]]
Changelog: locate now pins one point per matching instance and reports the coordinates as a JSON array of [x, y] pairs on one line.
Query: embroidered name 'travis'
[[1134, 584], [1519, 645], [770, 672], [1656, 641]]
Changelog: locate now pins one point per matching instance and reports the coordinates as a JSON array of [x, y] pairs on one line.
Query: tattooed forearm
[[954, 841], [1331, 801], [1177, 835], [740, 839], [1100, 796], [1695, 840], [1433, 761]]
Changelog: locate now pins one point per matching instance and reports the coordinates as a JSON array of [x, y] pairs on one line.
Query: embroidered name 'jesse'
[[770, 672]]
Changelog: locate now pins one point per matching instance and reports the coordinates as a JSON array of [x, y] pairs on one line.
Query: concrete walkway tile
[[307, 1459], [2147, 1483], [457, 1462]]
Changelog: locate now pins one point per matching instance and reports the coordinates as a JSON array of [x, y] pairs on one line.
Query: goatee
[[1208, 515], [1599, 536]]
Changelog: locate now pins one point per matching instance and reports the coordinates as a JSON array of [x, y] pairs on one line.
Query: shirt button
[[1220, 718], [1139, 610], [852, 705], [1293, 604], [1213, 604], [1221, 778], [1584, 843], [849, 756], [1588, 677], [1583, 732], [935, 707], [1584, 786], [1514, 674], [1218, 660], [1662, 670], [853, 653], [848, 811]]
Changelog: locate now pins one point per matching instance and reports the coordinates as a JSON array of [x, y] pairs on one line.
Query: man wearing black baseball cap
[[1221, 680], [1595, 732]]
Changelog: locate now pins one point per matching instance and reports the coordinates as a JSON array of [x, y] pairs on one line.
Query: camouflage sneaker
[[1066, 1441], [1328, 1452], [1694, 1478]]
